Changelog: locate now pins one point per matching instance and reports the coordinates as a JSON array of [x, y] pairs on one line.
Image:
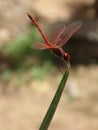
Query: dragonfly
[[60, 39]]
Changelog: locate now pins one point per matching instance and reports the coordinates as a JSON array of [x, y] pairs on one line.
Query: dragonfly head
[[66, 57]]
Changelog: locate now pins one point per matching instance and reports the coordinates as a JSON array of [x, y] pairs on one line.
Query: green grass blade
[[52, 108]]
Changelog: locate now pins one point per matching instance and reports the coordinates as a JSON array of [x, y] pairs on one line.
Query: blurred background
[[29, 78]]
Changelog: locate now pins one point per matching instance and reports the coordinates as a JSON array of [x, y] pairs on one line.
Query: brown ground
[[25, 109]]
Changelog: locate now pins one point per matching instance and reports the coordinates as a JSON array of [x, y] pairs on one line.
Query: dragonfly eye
[[66, 56]]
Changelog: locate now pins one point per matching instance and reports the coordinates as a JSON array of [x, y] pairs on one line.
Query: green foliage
[[17, 51], [40, 72], [32, 72], [6, 75], [22, 45]]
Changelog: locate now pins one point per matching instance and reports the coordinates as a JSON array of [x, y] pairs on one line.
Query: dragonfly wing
[[40, 46], [66, 32], [53, 31]]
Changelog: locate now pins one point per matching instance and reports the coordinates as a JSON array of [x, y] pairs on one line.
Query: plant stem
[[52, 108]]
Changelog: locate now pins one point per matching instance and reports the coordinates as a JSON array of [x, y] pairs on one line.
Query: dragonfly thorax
[[58, 52]]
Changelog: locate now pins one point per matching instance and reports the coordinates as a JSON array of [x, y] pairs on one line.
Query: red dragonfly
[[55, 46]]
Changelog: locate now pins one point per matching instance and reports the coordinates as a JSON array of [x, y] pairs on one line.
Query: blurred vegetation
[[20, 47], [21, 58]]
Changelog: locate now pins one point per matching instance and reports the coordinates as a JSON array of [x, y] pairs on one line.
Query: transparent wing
[[66, 32], [53, 31], [40, 46]]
